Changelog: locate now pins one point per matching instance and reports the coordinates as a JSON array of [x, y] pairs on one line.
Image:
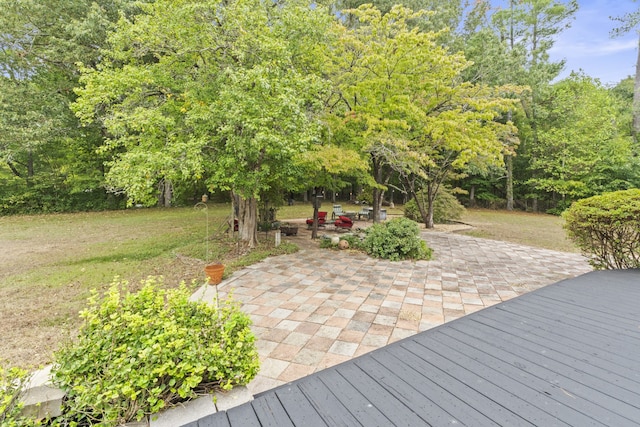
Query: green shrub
[[12, 381], [607, 228], [395, 240], [559, 207], [326, 243], [139, 352], [446, 207]]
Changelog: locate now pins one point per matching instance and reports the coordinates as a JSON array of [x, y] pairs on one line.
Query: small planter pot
[[214, 273]]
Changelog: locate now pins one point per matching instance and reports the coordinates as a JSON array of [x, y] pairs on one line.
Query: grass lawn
[[49, 263], [540, 230]]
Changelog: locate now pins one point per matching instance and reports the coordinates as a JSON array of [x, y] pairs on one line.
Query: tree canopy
[[156, 101]]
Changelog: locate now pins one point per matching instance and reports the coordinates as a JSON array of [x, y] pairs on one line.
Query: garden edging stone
[[41, 398]]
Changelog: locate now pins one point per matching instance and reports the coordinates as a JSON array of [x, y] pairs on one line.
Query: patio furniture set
[[341, 220]]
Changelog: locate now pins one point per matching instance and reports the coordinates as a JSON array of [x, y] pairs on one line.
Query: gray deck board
[[299, 409], [331, 397], [616, 329], [601, 346], [441, 403], [595, 393], [529, 379], [358, 405], [564, 355], [270, 412], [529, 389], [495, 395], [583, 362], [395, 412], [221, 421], [244, 416]]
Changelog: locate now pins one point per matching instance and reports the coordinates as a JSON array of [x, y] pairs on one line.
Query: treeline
[[109, 102]]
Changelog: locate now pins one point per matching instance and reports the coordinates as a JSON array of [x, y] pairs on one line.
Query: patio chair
[[337, 211], [322, 219], [343, 222], [364, 212]]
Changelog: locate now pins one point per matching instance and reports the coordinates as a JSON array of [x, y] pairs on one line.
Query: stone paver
[[317, 308]]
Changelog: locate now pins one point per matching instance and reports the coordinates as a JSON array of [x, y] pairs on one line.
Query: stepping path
[[317, 308]]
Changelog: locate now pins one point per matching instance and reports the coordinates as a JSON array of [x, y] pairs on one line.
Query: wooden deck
[[566, 354]]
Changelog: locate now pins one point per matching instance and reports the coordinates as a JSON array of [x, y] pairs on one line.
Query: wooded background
[[106, 103]]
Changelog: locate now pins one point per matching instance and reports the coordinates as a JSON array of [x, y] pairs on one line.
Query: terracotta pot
[[214, 273]]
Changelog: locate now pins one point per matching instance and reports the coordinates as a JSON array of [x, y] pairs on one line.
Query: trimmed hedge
[[607, 228]]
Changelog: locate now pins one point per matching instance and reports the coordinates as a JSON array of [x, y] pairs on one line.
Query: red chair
[[322, 219], [343, 222]]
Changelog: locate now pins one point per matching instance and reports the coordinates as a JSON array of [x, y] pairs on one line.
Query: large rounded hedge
[[446, 207], [607, 228]]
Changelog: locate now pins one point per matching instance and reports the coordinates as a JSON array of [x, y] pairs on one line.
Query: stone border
[[43, 400]]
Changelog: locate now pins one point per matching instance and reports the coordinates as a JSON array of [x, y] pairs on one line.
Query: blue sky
[[587, 45]]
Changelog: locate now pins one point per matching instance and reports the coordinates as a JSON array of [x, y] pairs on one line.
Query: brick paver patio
[[317, 308]]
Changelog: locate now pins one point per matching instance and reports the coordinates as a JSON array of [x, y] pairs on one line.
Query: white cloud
[[590, 48]]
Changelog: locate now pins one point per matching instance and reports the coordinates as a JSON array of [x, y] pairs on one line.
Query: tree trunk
[[377, 177], [426, 212], [378, 193], [316, 208], [636, 99], [472, 196], [248, 221], [509, 163], [431, 196], [165, 193], [376, 203]]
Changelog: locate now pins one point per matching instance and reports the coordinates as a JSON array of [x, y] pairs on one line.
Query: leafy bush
[[12, 381], [446, 207], [559, 207], [326, 243], [396, 239], [139, 352], [607, 228]]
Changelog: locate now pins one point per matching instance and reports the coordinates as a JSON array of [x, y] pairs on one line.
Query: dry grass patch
[[49, 264], [538, 230]]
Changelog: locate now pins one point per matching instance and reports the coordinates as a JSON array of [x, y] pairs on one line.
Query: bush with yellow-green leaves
[[12, 381], [139, 352]]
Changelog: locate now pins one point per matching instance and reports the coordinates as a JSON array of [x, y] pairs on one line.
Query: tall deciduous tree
[[582, 148], [222, 90], [406, 99]]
